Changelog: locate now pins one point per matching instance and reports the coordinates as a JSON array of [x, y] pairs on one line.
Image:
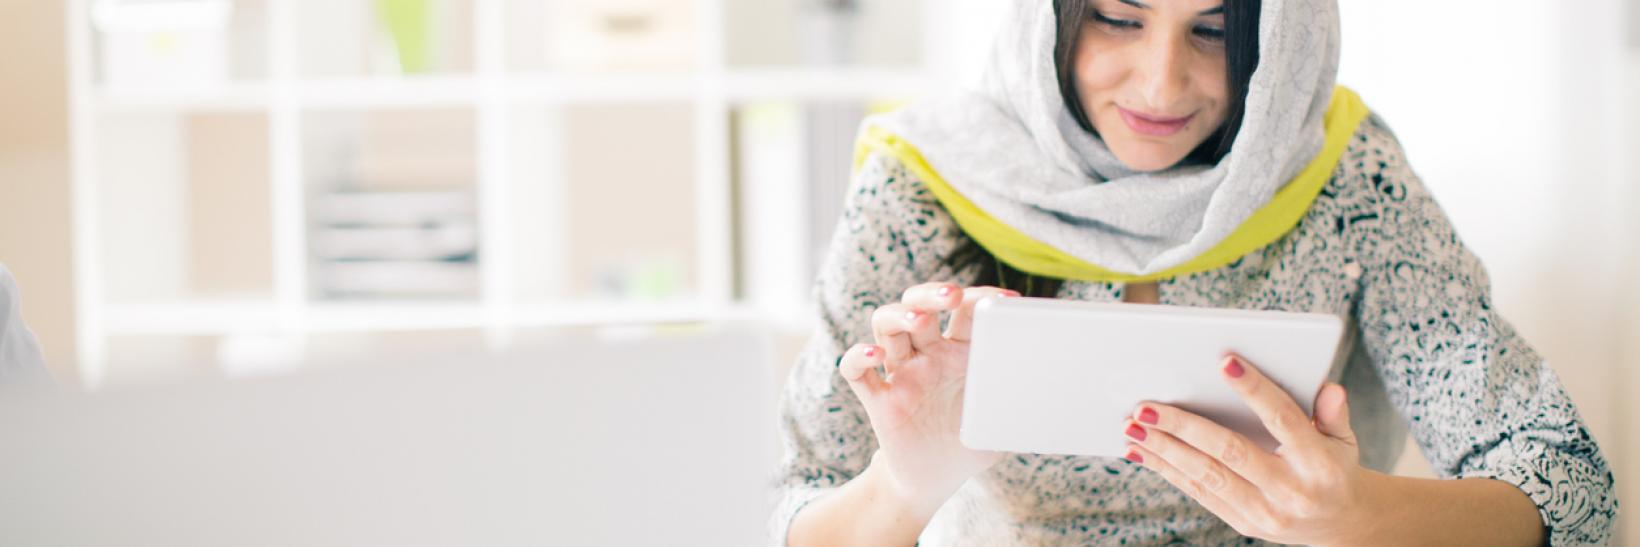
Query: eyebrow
[[1142, 5]]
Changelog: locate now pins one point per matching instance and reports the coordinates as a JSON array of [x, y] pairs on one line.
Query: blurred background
[[236, 187]]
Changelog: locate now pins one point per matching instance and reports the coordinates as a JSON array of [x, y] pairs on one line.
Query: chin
[[1148, 154], [1149, 158]]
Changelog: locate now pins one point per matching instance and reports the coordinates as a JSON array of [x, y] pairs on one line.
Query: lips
[[1151, 125]]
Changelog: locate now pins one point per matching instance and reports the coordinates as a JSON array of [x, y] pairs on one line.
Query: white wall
[[1629, 362], [1517, 115]]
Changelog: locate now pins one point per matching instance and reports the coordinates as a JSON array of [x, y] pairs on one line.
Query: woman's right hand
[[916, 408]]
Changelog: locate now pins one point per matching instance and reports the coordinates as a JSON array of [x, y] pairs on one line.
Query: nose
[[1164, 77]]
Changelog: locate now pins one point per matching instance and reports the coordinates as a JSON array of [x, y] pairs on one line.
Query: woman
[[1186, 152]]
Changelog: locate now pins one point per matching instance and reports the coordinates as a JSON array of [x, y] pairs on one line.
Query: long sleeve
[[1478, 399], [892, 235], [20, 360]]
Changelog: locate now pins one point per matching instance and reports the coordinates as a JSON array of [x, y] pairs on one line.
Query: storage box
[[163, 42], [593, 35]]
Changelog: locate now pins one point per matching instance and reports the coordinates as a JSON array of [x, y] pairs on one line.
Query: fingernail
[[1232, 367], [1147, 415], [1135, 457], [871, 351], [911, 315], [945, 291], [1135, 432]]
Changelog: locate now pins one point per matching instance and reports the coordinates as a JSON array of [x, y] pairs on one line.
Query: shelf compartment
[[184, 209], [391, 205], [384, 38], [610, 215], [194, 43], [793, 165], [822, 33], [602, 36]]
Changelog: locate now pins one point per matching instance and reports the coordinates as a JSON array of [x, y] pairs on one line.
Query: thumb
[[1332, 413]]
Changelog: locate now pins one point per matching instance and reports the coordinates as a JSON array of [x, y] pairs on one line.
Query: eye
[[1115, 24], [1211, 34]]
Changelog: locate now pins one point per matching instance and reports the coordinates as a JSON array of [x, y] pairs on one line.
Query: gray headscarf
[[1011, 146]]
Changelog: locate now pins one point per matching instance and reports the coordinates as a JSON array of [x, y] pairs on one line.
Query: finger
[[887, 328], [933, 296], [1235, 451], [916, 329], [961, 325], [1332, 413], [1204, 472], [859, 366], [1281, 415], [1150, 460]]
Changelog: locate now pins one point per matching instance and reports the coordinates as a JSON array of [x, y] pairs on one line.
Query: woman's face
[[1151, 77]]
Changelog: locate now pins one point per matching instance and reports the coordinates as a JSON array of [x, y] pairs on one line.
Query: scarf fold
[[1020, 251], [1046, 197]]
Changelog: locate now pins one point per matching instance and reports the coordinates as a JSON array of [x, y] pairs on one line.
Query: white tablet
[[1052, 376]]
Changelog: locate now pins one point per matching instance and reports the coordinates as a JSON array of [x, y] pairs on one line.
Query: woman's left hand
[[1310, 490]]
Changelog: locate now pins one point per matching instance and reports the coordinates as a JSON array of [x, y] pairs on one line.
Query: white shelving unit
[[505, 102]]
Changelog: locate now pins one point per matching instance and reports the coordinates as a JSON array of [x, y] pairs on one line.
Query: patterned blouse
[[1428, 354]]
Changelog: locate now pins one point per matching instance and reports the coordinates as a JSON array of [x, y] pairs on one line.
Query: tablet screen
[[1051, 376]]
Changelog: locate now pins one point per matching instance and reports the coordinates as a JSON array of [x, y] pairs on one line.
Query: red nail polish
[[871, 352], [1233, 368], [1135, 432], [1147, 415], [1135, 457]]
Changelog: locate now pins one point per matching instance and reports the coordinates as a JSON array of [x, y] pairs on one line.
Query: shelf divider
[[90, 339], [290, 276], [496, 265], [712, 169]]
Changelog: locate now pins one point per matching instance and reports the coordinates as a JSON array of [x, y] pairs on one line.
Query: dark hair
[[1241, 59]]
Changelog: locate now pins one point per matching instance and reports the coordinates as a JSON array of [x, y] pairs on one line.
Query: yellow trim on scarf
[[1012, 247]]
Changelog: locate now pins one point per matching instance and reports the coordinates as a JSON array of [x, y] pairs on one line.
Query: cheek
[[1211, 84], [1098, 72]]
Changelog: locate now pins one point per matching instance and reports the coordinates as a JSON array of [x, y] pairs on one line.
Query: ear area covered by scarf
[[1024, 253]]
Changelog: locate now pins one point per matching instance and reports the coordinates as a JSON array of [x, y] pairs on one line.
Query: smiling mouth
[[1153, 126]]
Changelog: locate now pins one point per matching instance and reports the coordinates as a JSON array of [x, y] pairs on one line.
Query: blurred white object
[[163, 42], [829, 29], [406, 278], [601, 35], [642, 277], [660, 441], [443, 241], [245, 356], [769, 159], [779, 143]]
